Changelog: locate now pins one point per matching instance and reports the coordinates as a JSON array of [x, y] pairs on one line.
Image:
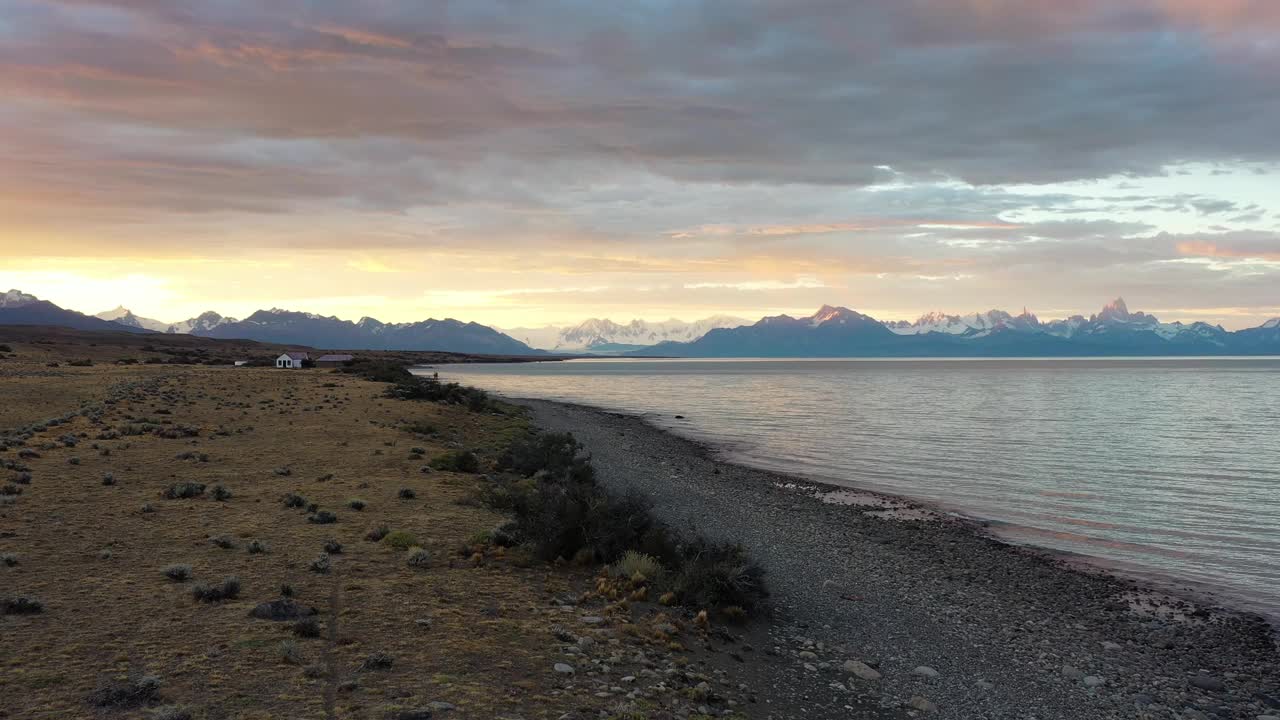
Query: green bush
[[463, 461], [399, 539]]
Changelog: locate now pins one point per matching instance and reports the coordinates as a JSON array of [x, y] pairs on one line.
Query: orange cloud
[[1208, 249]]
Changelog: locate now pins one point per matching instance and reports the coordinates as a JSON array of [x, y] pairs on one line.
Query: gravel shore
[[917, 613]]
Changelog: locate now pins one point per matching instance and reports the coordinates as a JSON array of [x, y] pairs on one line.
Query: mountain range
[[277, 326], [607, 337], [830, 332], [841, 332]]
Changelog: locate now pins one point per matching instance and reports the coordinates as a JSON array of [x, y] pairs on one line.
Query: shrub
[[178, 573], [322, 517], [634, 563], [554, 453], [22, 478], [332, 547], [377, 661], [108, 479], [73, 461], [286, 590], [418, 451], [356, 504], [10, 489], [294, 500], [719, 574], [8, 559], [220, 493], [377, 534], [562, 512], [226, 542], [133, 692], [419, 558], [321, 564], [20, 605], [463, 461], [407, 494], [256, 547], [228, 589], [400, 540], [283, 471], [290, 652], [307, 627], [183, 490]]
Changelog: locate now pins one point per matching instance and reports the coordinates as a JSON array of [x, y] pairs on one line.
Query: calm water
[[1168, 468]]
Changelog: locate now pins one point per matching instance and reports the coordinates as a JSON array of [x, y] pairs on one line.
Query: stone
[[564, 668], [1108, 645], [1208, 683], [861, 669], [925, 671], [1071, 672], [418, 714], [923, 704], [441, 706], [1094, 681], [806, 655], [592, 619]]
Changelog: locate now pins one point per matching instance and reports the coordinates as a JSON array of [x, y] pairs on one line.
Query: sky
[[526, 162]]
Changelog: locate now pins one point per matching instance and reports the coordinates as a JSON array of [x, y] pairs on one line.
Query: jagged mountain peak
[[17, 298]]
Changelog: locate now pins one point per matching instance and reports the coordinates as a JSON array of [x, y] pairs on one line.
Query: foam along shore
[[928, 612]]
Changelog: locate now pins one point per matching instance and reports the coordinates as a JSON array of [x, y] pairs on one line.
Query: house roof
[[333, 358], [296, 355]]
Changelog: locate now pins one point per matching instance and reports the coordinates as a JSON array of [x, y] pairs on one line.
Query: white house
[[291, 360]]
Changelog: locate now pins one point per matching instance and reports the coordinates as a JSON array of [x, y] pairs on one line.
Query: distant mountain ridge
[[602, 335], [289, 327], [841, 332], [19, 308], [277, 326]]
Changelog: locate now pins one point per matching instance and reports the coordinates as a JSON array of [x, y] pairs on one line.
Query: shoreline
[[1137, 648], [1151, 581]]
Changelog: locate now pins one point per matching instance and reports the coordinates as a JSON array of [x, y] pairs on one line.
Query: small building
[[292, 360], [333, 360], [241, 363]]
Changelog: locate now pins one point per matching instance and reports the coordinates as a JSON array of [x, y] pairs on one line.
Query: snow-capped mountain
[[840, 332], [19, 308], [202, 324], [124, 316], [604, 335], [16, 299], [1116, 319], [975, 325]]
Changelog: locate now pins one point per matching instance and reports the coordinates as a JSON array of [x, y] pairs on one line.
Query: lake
[[1164, 468]]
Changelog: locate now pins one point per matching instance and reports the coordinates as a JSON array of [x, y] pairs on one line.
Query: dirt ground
[[89, 534]]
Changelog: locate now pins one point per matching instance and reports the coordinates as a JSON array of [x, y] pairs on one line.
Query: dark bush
[[563, 512], [377, 661], [183, 490], [332, 547], [463, 461], [307, 627], [126, 693], [407, 494], [294, 500], [178, 573], [322, 517], [376, 534], [228, 589], [356, 504], [220, 493], [20, 605]]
